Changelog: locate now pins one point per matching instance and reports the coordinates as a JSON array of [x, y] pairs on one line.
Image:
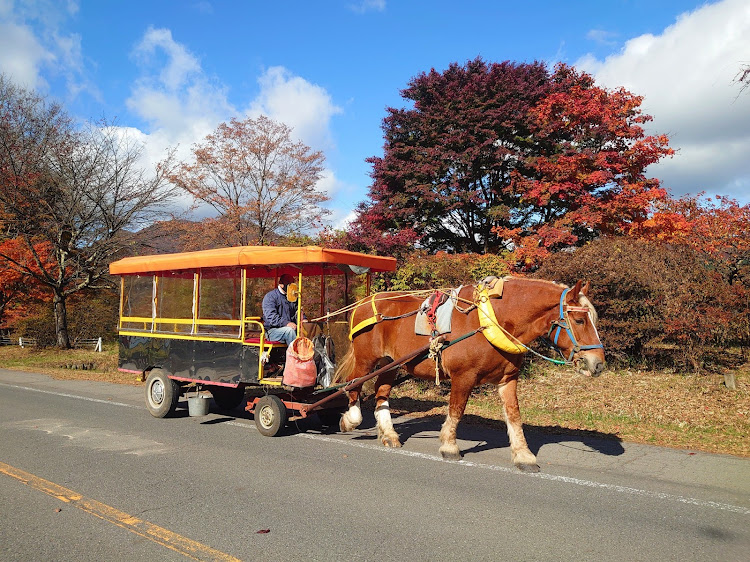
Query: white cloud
[[685, 75], [601, 36], [173, 94], [182, 105], [364, 6], [33, 46], [180, 65], [22, 55], [303, 106], [340, 220]]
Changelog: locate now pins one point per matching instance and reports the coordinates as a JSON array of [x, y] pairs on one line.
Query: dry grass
[[675, 410], [73, 364]]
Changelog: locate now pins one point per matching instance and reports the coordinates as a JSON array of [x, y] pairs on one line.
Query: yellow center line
[[164, 537]]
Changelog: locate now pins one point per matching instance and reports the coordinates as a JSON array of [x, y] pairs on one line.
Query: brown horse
[[527, 309]]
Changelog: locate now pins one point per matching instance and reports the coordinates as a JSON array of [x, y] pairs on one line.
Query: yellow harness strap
[[374, 319], [488, 321]]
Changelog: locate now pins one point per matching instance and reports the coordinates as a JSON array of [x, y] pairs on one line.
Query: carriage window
[[256, 290], [220, 299], [137, 295], [175, 302]]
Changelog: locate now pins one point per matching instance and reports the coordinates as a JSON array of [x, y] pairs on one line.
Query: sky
[[170, 71]]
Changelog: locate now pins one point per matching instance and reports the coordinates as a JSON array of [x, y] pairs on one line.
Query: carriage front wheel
[[270, 415]]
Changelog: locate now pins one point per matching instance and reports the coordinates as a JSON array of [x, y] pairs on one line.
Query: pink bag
[[300, 370]]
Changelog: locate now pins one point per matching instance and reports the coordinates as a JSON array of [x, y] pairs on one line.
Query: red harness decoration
[[435, 300]]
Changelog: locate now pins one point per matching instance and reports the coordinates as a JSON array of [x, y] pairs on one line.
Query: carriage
[[191, 322]]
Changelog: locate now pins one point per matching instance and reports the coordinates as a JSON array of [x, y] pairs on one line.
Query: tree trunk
[[61, 321]]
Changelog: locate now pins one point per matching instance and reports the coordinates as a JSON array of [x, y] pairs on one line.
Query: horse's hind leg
[[522, 457], [351, 419], [386, 433]]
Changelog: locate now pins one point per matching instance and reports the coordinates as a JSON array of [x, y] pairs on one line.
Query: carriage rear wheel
[[270, 415], [162, 394], [227, 398]]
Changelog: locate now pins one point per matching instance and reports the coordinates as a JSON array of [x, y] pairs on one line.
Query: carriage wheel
[[162, 394], [228, 398], [270, 415]]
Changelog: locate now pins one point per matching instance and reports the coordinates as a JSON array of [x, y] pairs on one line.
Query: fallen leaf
[[262, 531]]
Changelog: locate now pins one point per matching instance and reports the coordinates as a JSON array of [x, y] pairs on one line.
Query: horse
[[526, 310]]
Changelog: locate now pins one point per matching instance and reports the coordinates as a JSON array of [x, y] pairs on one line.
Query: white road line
[[468, 464], [69, 395], [541, 475]]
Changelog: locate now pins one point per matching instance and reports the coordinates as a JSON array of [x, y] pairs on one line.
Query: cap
[[285, 279]]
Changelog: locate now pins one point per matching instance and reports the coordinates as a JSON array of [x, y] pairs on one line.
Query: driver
[[279, 314]]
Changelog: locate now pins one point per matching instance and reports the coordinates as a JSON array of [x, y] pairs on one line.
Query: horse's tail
[[345, 367]]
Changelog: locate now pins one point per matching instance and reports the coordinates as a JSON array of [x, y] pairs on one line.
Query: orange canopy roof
[[312, 260]]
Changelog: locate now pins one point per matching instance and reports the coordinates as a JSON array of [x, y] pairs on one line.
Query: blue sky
[[170, 71]]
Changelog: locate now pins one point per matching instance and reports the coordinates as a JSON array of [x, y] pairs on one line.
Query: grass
[[660, 408], [73, 364]]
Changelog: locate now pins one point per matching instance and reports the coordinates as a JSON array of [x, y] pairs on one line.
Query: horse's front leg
[[522, 457], [456, 407], [386, 433]]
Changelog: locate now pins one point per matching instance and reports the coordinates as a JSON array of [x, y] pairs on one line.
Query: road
[[87, 474]]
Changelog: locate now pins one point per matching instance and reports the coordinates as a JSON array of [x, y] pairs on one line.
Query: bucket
[[197, 405]]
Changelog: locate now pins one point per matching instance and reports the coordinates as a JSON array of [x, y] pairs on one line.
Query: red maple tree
[[509, 156]]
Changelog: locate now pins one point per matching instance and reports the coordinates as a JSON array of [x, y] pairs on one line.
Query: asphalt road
[[87, 474]]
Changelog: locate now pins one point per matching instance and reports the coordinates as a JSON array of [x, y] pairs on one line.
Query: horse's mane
[[583, 300]]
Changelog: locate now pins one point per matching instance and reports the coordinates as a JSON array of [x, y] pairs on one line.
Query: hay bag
[[300, 370]]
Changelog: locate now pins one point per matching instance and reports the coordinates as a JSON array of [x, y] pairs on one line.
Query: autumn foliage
[[509, 156], [261, 183], [659, 303], [18, 290]]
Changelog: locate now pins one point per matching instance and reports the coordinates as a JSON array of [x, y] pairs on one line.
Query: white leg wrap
[[386, 433], [383, 417], [351, 418]]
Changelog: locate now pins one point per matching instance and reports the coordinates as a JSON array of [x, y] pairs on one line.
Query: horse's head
[[574, 331]]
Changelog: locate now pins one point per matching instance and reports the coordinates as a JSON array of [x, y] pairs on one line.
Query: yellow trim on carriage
[[178, 336]]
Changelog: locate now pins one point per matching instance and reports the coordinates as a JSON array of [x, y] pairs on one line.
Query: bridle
[[563, 323]]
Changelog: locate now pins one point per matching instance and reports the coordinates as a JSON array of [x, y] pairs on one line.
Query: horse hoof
[[451, 455], [528, 467], [390, 442]]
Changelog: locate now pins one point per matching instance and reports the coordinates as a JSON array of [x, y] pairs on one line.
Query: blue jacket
[[277, 310]]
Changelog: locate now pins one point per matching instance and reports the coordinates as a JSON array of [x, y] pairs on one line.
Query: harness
[[563, 323], [489, 325]]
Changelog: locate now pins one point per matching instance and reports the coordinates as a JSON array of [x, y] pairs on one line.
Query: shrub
[[38, 324], [658, 303], [423, 271], [90, 315], [93, 315]]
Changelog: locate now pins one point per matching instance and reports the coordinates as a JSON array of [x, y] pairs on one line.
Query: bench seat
[[265, 342]]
